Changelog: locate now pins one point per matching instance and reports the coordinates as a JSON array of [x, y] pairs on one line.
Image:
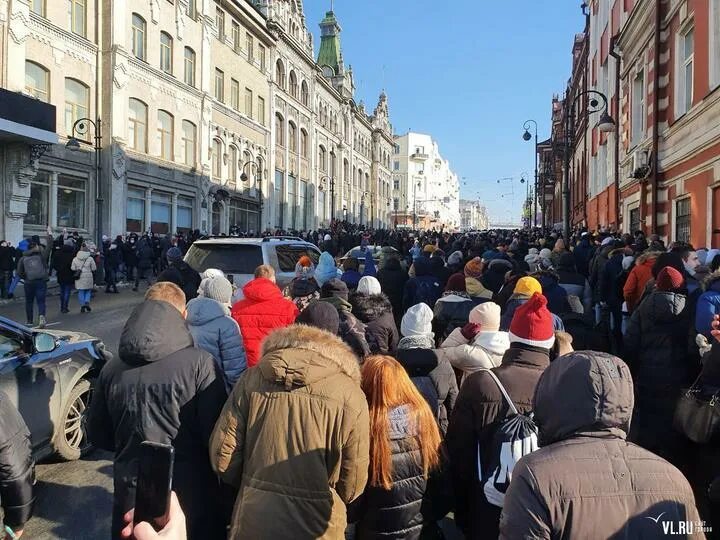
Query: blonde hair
[[164, 291], [265, 271]]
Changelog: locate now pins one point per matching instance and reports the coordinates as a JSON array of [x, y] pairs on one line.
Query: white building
[[426, 191], [473, 216]]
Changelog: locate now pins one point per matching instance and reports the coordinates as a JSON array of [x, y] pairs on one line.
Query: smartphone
[[154, 483]]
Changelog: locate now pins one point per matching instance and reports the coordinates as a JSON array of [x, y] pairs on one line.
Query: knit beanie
[[455, 257], [456, 282], [321, 315], [304, 269], [487, 315], [369, 285], [429, 248], [532, 323], [417, 321], [527, 286], [174, 255], [545, 253], [669, 279], [212, 272], [216, 288], [327, 238], [474, 268], [325, 269], [334, 288]]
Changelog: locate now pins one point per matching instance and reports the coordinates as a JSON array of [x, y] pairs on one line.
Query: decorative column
[[52, 199], [148, 208], [173, 214]]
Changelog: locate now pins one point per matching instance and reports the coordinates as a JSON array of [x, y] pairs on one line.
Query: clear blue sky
[[469, 72]]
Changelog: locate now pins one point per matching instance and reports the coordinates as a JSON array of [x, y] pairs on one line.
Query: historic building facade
[[473, 216]]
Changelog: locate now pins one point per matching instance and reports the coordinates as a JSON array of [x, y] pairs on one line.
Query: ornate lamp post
[[258, 180], [526, 137], [82, 127]]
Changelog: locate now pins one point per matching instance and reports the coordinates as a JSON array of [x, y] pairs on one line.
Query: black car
[[49, 376]]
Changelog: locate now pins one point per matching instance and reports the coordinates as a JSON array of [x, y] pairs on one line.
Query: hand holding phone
[[174, 529], [154, 484]]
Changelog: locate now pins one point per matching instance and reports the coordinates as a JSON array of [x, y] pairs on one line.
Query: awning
[[25, 119]]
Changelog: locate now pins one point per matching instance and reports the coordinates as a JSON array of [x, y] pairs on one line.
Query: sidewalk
[[52, 290]]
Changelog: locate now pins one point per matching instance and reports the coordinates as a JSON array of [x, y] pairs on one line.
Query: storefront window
[[71, 202], [135, 220], [184, 214], [160, 210], [243, 216], [292, 200], [38, 212]]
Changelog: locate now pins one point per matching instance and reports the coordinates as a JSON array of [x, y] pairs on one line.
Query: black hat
[[321, 315], [334, 288]]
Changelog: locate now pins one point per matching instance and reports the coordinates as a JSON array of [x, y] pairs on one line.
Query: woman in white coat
[[83, 265]]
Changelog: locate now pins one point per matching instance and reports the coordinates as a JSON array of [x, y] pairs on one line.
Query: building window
[[135, 217], [219, 85], [280, 74], [396, 165], [77, 15], [279, 206], [189, 137], [236, 36], [292, 199], [166, 52], [216, 159], [71, 202], [160, 211], [37, 81], [192, 9], [714, 32], [165, 132], [634, 220], [184, 215], [139, 47], [292, 137], [77, 103], [304, 94], [38, 7], [137, 125], [38, 209], [220, 24], [685, 72], [304, 149], [232, 164], [682, 220], [248, 103], [235, 94], [250, 48], [638, 108], [189, 66], [261, 110], [279, 130], [293, 84], [261, 55], [396, 184], [322, 159]]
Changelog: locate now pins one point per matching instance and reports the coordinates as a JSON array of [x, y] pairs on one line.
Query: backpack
[[515, 437], [34, 268], [427, 291]]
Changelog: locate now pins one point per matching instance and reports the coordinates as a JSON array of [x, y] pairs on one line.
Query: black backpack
[[515, 437]]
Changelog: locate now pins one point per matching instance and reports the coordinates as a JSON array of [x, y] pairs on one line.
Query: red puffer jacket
[[261, 311]]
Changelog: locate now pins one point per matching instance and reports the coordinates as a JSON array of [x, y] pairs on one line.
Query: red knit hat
[[669, 279], [532, 323], [456, 282]]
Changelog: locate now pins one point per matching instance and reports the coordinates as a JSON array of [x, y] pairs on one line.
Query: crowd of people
[[535, 386]]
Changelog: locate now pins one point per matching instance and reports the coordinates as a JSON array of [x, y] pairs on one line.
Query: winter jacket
[[352, 277], [112, 255], [477, 291], [440, 271], [574, 283], [160, 389], [478, 412], [129, 254], [582, 254], [351, 331], [597, 265], [657, 349], [7, 259], [555, 294], [144, 252], [261, 311], [17, 469], [39, 251], [484, 352], [426, 366], [451, 312], [62, 262], [638, 278], [294, 437], [86, 265], [214, 331], [708, 304], [586, 480], [424, 287], [517, 300], [494, 277], [392, 280], [612, 281], [184, 276], [302, 292], [375, 312]]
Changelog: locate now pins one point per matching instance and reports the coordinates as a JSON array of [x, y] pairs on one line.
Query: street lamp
[[322, 187], [258, 178], [82, 127], [526, 137], [596, 102]]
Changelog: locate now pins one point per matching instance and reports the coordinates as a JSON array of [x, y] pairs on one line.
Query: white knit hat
[[369, 285], [487, 315], [545, 253], [212, 272], [417, 321]]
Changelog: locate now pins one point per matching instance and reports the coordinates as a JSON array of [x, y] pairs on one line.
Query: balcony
[[419, 155], [26, 119]]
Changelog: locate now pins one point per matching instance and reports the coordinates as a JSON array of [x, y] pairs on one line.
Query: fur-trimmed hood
[[647, 256], [712, 282], [285, 356], [369, 307]]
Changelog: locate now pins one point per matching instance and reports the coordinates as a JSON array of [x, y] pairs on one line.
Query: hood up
[[584, 393], [340, 304], [369, 307], [664, 306], [712, 282], [154, 331], [422, 267], [202, 310]]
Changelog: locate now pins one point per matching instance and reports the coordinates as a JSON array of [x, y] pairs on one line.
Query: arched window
[[346, 171], [189, 138], [166, 52], [166, 134], [280, 74], [322, 159], [279, 130], [37, 81], [304, 94], [292, 137], [137, 125], [293, 84], [232, 164], [139, 37], [304, 144], [77, 103], [216, 159], [189, 66]]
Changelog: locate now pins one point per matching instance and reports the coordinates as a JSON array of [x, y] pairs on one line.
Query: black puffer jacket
[[7, 259], [182, 275], [376, 313], [161, 389], [450, 312], [62, 260], [392, 279], [16, 466]]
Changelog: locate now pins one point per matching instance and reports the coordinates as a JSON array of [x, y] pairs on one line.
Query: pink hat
[[487, 315]]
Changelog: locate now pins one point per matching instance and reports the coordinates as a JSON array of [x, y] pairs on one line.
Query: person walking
[[144, 255], [574, 283], [452, 309], [7, 265], [162, 389], [424, 287], [351, 331], [403, 498], [293, 437], [374, 310], [83, 266], [303, 289], [130, 257], [33, 270], [62, 264], [392, 278], [112, 256], [638, 278]]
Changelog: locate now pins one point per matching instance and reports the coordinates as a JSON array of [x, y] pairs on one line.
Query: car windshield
[[288, 256], [230, 258]]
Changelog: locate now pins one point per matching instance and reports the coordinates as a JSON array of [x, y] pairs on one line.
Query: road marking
[[52, 324]]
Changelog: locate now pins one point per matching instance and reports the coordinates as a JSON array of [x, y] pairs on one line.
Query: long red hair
[[387, 386]]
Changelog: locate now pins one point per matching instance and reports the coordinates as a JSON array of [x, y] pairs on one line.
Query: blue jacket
[[215, 331], [583, 252], [424, 287], [708, 305], [351, 278]]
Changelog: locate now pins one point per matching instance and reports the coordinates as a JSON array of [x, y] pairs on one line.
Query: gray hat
[[174, 254], [216, 288]]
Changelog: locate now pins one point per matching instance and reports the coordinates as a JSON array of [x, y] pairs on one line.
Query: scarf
[[461, 294], [424, 341]]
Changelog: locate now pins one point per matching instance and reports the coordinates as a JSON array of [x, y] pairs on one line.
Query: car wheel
[[71, 439]]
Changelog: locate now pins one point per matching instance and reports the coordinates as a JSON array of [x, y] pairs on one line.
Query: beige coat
[[293, 437], [484, 352], [86, 264]]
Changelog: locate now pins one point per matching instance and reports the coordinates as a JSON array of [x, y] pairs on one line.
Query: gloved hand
[[470, 330]]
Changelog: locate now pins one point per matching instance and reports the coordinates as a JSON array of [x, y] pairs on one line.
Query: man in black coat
[[7, 265], [181, 274], [163, 390], [17, 473]]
